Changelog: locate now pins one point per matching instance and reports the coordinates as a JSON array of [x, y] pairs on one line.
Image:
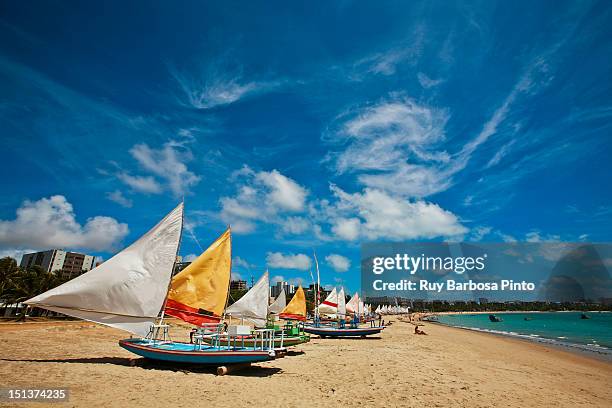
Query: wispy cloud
[[167, 163], [118, 197], [141, 184], [427, 82], [387, 62], [500, 154], [218, 84]]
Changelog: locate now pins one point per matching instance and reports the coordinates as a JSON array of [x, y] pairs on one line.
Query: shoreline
[[515, 312], [604, 354], [598, 352]]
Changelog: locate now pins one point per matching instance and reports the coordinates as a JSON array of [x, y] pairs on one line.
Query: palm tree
[[29, 282], [8, 270]]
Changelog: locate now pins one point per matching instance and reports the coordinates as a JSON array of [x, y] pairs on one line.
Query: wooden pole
[[227, 369]]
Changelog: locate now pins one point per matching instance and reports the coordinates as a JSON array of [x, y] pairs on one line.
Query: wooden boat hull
[[346, 332], [188, 353], [287, 341]]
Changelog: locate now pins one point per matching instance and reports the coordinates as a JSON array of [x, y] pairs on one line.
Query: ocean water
[[562, 328]]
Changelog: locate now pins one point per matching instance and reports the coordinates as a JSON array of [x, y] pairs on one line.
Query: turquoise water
[[565, 328]]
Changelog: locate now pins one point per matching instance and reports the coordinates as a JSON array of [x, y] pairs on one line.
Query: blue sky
[[305, 127]]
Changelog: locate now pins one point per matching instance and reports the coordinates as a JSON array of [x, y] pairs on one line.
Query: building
[[276, 289], [237, 285], [68, 264], [179, 266]]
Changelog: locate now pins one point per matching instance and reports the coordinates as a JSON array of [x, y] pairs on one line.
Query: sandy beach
[[449, 367]]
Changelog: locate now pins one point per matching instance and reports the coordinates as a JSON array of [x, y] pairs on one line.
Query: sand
[[449, 367]]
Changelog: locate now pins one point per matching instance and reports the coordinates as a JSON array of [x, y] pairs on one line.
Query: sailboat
[[339, 328], [296, 308], [279, 303], [130, 290], [253, 308], [329, 306]]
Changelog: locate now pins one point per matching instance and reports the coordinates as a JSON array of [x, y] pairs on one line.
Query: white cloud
[[288, 261], [16, 254], [506, 237], [277, 278], [394, 145], [190, 258], [295, 225], [427, 82], [537, 236], [381, 215], [240, 262], [218, 86], [338, 262], [147, 185], [296, 281], [347, 228], [478, 233], [118, 197], [168, 164], [283, 192], [263, 196], [51, 223]]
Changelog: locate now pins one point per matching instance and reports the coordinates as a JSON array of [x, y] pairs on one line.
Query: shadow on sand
[[328, 338], [253, 371]]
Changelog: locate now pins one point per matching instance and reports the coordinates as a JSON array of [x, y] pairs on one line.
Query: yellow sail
[[198, 293], [296, 309]]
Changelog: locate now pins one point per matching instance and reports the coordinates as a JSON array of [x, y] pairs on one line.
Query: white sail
[[330, 305], [353, 304], [253, 306], [128, 290], [279, 304], [360, 308], [341, 304]]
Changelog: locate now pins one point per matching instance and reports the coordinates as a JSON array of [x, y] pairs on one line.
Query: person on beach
[[418, 331]]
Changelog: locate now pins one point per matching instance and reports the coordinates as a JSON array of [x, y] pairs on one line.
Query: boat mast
[[178, 248], [318, 286]]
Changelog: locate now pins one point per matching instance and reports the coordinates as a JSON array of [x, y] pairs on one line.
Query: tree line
[[19, 284]]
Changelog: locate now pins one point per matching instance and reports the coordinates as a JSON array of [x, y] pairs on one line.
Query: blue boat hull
[[347, 332], [186, 353]]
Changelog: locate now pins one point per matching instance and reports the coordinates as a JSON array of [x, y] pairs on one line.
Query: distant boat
[[494, 318], [339, 329], [584, 316]]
